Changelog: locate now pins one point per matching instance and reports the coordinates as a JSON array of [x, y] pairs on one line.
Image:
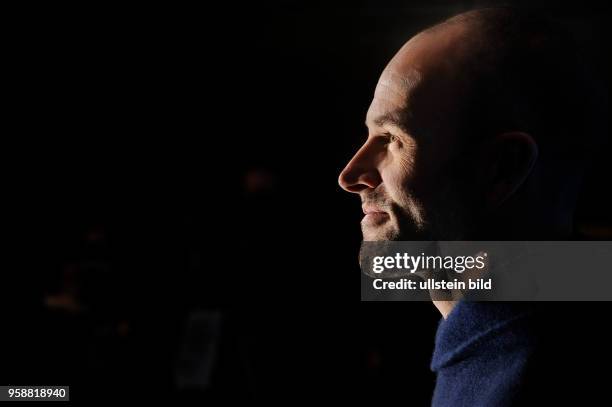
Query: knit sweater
[[482, 354]]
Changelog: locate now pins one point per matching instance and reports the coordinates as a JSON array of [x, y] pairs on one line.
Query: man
[[479, 129]]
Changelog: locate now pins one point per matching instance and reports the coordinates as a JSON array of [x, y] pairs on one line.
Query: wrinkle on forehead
[[393, 94], [394, 83]]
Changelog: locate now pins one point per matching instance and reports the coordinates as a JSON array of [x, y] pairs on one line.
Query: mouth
[[374, 216]]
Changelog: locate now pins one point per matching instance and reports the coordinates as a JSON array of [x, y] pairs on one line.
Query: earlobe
[[512, 158]]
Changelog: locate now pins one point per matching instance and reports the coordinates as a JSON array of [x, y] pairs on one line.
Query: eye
[[391, 138]]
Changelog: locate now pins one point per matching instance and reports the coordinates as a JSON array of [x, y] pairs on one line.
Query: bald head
[[475, 118], [509, 70]]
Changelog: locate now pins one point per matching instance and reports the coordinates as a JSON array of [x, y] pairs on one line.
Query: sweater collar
[[470, 325]]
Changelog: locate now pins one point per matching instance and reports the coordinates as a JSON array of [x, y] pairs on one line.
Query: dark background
[[174, 226]]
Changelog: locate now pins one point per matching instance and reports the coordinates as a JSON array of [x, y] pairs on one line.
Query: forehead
[[421, 81], [394, 89]]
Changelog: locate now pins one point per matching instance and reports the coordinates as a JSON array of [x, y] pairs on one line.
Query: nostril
[[355, 181], [356, 188]]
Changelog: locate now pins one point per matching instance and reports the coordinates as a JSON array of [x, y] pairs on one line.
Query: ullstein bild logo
[[432, 284]]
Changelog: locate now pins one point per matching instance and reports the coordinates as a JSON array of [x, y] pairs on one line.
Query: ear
[[509, 159]]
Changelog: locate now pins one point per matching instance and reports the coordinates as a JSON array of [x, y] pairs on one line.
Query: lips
[[374, 215], [368, 210]]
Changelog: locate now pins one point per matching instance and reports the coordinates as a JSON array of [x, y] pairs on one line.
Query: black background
[[160, 162]]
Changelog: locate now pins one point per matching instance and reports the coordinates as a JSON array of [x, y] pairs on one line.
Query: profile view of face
[[403, 172]]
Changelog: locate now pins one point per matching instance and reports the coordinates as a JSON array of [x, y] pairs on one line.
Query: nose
[[361, 172]]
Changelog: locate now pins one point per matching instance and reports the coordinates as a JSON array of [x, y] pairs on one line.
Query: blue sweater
[[482, 353]]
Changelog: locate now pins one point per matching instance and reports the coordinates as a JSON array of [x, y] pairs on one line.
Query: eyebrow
[[396, 118]]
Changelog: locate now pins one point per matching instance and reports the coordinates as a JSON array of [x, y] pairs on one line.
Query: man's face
[[402, 172]]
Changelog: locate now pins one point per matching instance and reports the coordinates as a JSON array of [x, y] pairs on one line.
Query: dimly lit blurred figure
[[481, 128]]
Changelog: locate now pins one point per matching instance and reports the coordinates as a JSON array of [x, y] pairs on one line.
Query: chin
[[371, 234], [391, 234]]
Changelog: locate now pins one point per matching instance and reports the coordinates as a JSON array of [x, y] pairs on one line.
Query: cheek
[[399, 177]]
